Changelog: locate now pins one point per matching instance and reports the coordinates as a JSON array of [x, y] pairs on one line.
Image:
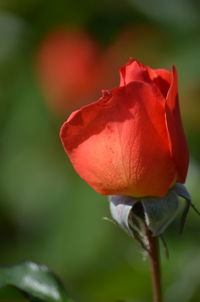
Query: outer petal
[[133, 71], [177, 138], [119, 144]]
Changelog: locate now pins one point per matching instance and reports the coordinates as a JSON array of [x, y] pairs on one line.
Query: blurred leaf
[[11, 294], [35, 281]]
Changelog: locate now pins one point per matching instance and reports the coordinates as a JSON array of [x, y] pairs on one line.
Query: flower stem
[[155, 266]]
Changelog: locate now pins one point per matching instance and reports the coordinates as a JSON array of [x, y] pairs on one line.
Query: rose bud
[[70, 68], [130, 142]]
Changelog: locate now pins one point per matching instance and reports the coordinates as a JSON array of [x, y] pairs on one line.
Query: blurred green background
[[47, 213]]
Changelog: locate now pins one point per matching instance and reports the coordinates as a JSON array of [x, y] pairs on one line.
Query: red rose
[[130, 141]]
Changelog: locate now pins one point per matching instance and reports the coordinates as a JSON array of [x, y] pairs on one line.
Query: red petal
[[177, 138], [119, 144], [133, 71], [162, 78]]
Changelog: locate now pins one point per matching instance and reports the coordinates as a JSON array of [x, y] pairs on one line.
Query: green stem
[[155, 266]]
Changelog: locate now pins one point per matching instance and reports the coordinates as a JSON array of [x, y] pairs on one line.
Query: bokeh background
[[56, 56]]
